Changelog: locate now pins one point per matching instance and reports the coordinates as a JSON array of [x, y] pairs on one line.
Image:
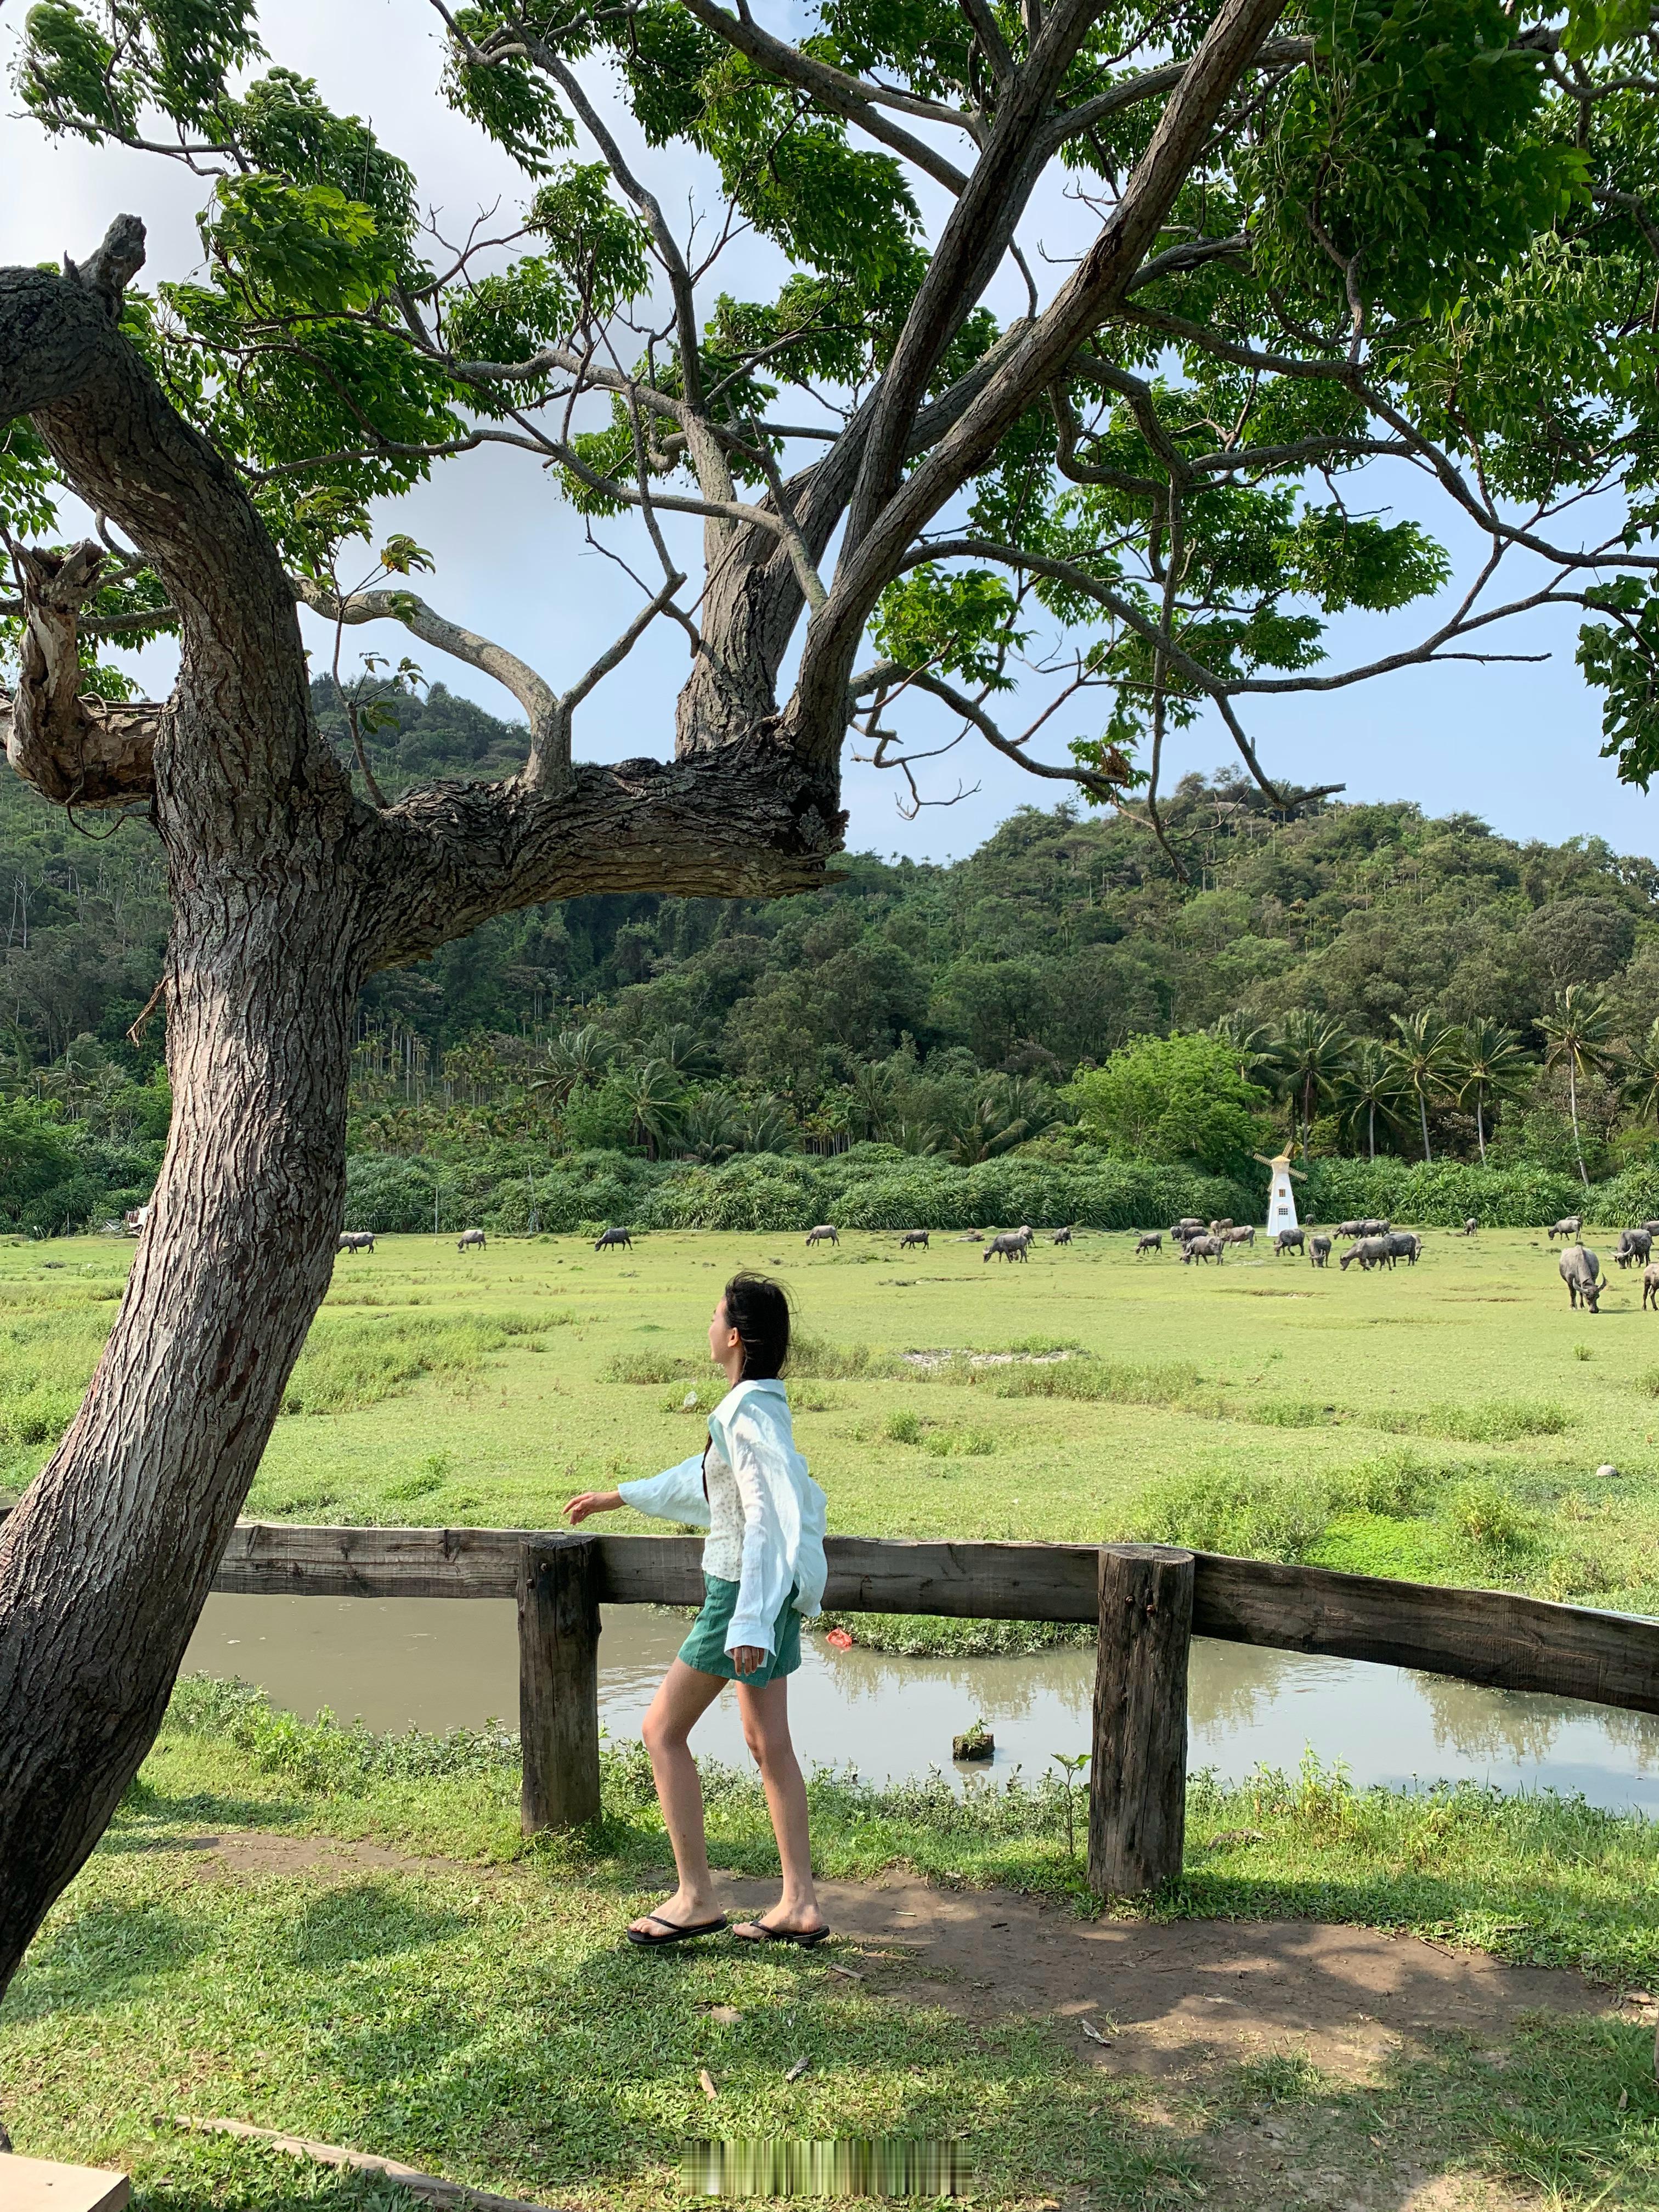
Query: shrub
[[1485, 1511], [1442, 1195], [1271, 1518]]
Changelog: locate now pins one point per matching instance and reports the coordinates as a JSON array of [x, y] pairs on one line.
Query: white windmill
[[1281, 1199]]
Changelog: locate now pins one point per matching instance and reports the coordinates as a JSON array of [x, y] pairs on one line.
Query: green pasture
[[1442, 1422]]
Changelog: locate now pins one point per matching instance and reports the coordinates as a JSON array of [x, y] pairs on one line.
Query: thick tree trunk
[[105, 1564]]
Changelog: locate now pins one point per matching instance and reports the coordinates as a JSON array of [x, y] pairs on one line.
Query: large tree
[[1413, 239]]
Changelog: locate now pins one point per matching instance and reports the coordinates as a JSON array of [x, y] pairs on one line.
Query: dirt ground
[[1166, 2002]]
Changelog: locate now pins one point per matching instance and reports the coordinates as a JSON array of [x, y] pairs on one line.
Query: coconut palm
[[1488, 1064], [1251, 1043], [1577, 1035], [1308, 1054], [652, 1093], [575, 1057], [684, 1051], [1368, 1086], [1424, 1055], [707, 1129], [764, 1125], [1640, 1086]]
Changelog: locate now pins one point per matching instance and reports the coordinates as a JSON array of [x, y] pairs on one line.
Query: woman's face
[[723, 1338]]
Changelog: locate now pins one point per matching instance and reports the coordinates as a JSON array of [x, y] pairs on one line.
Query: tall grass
[[348, 1365]]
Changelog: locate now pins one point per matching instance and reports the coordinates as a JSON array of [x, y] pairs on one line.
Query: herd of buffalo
[[1371, 1243]]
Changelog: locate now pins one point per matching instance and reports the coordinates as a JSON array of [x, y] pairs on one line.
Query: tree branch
[[76, 750]]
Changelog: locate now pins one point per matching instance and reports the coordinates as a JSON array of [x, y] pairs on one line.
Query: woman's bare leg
[[685, 1695], [765, 1713]]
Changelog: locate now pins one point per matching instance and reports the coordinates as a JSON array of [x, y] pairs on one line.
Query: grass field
[[1441, 1422], [476, 2012]]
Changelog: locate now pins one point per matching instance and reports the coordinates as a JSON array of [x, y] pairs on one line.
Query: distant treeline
[[1378, 982]]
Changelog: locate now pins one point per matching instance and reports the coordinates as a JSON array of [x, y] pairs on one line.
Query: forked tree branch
[[76, 750]]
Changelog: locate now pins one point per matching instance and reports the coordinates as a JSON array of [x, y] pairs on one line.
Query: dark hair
[[758, 1309]]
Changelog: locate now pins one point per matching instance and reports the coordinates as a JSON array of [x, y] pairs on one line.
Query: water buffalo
[[1470, 1225], [1403, 1245], [1633, 1244], [1350, 1228], [1369, 1251], [469, 1240], [609, 1239], [1062, 1236], [1244, 1235], [1650, 1286], [1151, 1240], [1319, 1250], [356, 1240], [1219, 1228], [914, 1236], [1202, 1247], [1652, 1228], [1568, 1226], [1289, 1240], [825, 1233], [1579, 1270], [1012, 1244], [973, 1236]]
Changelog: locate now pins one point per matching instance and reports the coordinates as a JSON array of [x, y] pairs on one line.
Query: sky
[[1517, 744]]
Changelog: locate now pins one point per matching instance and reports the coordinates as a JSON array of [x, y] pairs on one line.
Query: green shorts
[[705, 1647]]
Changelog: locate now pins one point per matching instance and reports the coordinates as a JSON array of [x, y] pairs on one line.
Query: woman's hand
[[593, 1501], [749, 1658]]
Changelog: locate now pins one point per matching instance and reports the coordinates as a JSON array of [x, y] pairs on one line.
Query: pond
[[440, 1662]]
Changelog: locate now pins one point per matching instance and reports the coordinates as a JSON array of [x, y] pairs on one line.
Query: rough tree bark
[[286, 891]]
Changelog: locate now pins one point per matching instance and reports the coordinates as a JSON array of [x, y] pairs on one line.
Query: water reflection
[[437, 1663]]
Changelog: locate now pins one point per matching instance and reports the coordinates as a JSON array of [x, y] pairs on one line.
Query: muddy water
[[438, 1663]]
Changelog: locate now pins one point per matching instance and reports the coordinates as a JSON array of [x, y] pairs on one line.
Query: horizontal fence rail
[[1494, 1638]]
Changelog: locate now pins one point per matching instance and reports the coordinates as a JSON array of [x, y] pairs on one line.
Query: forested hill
[[1060, 937]]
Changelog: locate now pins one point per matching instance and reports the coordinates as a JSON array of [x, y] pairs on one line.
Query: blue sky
[[1516, 745]]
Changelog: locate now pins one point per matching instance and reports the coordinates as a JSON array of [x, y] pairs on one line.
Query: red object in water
[[840, 1639]]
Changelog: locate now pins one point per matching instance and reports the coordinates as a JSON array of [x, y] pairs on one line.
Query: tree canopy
[[1354, 267]]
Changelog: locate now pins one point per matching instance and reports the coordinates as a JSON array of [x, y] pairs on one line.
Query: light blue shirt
[[778, 1541]]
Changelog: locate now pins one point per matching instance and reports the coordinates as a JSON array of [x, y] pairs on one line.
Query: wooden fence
[[1147, 1600]]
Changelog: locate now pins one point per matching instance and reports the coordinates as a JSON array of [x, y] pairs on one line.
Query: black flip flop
[[676, 1933], [805, 1937]]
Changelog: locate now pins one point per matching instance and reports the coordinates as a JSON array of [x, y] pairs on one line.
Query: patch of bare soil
[[234, 1852], [1169, 1997]]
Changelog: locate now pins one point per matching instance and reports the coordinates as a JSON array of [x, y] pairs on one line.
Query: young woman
[[763, 1568]]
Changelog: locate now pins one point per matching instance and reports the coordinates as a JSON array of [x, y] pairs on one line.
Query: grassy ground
[[1442, 1422], [481, 2018]]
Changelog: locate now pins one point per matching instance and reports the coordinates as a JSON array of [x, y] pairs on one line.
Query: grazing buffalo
[[825, 1233], [1187, 1221], [1013, 1244], [1220, 1228], [1470, 1226], [1062, 1236], [1202, 1247], [469, 1240], [1633, 1244], [1580, 1269], [1652, 1228], [1650, 1287], [1568, 1226], [1150, 1240], [1403, 1245], [609, 1239], [1319, 1250], [1369, 1251], [1289, 1240], [914, 1236], [1350, 1228], [356, 1240], [973, 1236], [1244, 1235]]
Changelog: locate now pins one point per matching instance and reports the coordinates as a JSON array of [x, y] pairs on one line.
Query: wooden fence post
[[559, 1682], [1138, 1773]]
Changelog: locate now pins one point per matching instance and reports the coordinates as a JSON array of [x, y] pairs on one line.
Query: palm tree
[[653, 1092], [872, 1092], [575, 1057], [1251, 1042], [1640, 1087], [1424, 1055], [707, 1129], [1488, 1064], [684, 1050], [1369, 1084], [1577, 1037], [1310, 1054], [765, 1126]]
